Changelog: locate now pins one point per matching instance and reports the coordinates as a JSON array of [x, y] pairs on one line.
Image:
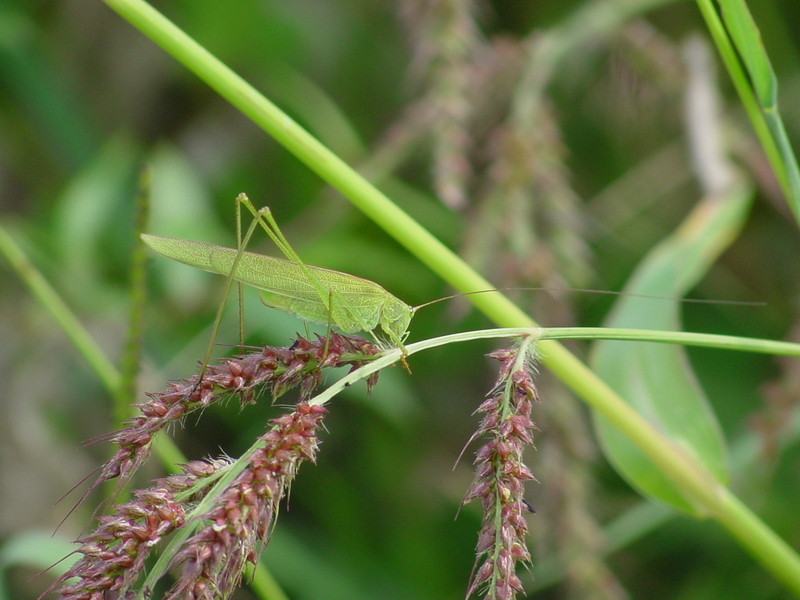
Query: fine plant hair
[[211, 520]]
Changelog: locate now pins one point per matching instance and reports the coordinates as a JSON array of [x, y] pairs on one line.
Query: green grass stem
[[705, 340], [52, 302]]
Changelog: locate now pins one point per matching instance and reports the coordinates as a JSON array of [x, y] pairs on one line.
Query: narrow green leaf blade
[[739, 42], [747, 40]]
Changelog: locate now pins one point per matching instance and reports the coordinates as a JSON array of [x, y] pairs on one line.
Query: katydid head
[[395, 318]]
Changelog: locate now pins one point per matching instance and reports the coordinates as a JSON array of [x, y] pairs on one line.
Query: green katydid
[[314, 294]]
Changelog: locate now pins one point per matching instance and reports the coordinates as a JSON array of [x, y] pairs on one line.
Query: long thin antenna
[[590, 291]]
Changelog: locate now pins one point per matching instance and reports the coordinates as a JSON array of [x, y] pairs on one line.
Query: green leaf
[[38, 550], [747, 40], [739, 41], [656, 379]]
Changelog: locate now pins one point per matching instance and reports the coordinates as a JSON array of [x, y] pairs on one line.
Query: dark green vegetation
[[560, 165]]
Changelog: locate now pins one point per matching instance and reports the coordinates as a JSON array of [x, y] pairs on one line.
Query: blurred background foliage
[[545, 141]]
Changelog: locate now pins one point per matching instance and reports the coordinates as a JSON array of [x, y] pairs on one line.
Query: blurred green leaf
[[85, 214], [38, 550], [181, 207], [656, 379], [60, 120]]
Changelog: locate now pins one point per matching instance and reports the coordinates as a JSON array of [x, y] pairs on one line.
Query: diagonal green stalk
[[168, 452], [58, 309], [759, 540]]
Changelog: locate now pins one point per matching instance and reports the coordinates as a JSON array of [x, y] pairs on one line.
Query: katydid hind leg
[[263, 217], [330, 297], [241, 245], [341, 312], [239, 284]]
